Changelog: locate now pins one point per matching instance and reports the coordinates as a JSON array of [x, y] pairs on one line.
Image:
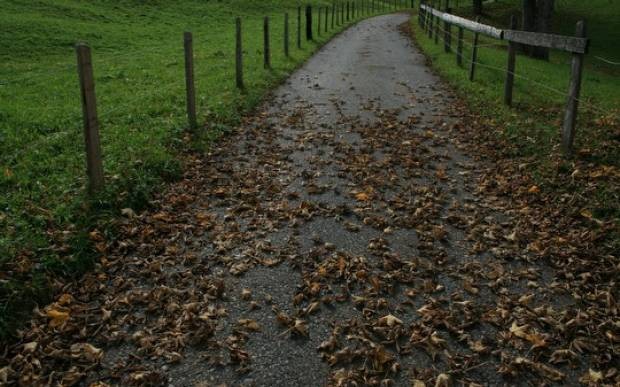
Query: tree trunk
[[544, 16], [477, 7], [537, 17], [529, 22]]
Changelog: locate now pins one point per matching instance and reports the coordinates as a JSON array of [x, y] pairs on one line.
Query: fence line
[[607, 61], [593, 107], [187, 53], [429, 17]]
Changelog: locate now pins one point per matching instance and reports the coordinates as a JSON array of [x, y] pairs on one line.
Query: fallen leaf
[[389, 321], [86, 351], [57, 317]]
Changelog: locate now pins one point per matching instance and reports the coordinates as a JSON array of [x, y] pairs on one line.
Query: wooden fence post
[[459, 48], [308, 22], [437, 22], [94, 165], [447, 37], [286, 35], [339, 10], [190, 90], [238, 54], [421, 17], [326, 18], [337, 13], [510, 67], [574, 90], [299, 27], [431, 19], [266, 45], [474, 54]]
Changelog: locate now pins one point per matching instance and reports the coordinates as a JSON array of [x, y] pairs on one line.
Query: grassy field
[[137, 49], [540, 87], [533, 124]]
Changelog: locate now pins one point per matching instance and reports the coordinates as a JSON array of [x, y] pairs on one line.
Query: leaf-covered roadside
[[408, 250], [154, 296]]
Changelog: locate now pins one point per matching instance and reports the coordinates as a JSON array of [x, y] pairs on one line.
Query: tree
[[477, 7], [537, 17]]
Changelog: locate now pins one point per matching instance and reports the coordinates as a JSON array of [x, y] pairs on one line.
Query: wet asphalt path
[[369, 72], [340, 236]]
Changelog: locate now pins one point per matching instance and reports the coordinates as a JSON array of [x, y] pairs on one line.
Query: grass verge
[[531, 128]]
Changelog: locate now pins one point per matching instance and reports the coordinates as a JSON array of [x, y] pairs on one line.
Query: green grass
[[601, 25], [540, 88], [138, 60], [532, 125]]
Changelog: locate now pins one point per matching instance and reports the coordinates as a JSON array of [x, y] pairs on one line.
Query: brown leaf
[[362, 197], [389, 321], [443, 380], [249, 324], [86, 351]]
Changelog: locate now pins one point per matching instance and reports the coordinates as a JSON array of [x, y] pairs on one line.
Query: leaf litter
[[506, 283]]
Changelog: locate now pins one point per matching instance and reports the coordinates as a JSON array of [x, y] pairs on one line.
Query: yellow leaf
[[362, 197], [519, 331], [595, 376], [57, 317], [533, 189]]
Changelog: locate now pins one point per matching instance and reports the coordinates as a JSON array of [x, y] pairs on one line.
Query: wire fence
[[146, 86], [542, 74], [431, 20]]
